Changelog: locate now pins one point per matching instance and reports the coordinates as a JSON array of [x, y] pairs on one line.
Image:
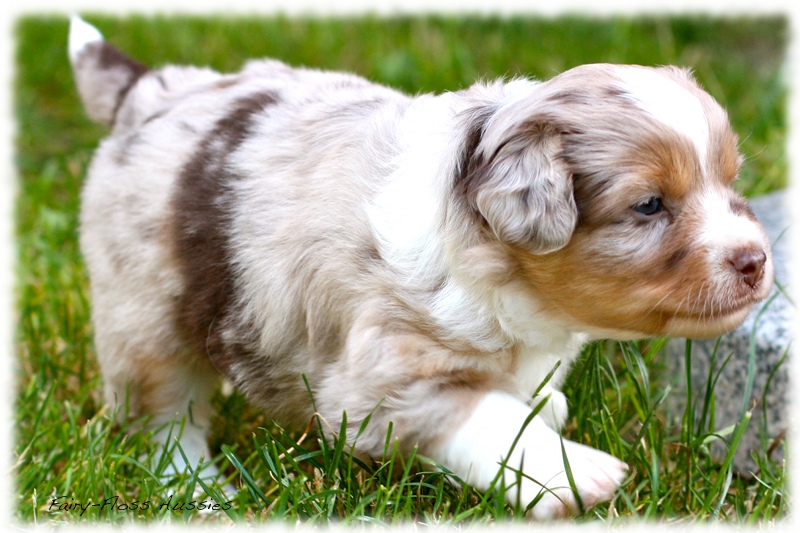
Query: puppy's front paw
[[534, 471], [596, 474]]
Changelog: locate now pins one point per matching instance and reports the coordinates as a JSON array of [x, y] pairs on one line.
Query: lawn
[[67, 450]]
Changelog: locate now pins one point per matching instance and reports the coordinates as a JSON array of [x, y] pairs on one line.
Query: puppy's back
[[212, 215]]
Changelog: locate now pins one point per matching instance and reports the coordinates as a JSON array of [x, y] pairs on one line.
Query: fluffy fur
[[426, 261]]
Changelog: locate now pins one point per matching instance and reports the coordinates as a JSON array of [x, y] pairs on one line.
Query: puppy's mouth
[[720, 315], [710, 322]]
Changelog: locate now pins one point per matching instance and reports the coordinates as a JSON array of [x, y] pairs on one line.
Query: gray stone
[[769, 329]]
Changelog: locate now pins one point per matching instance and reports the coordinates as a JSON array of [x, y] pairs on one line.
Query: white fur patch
[[81, 34], [407, 212], [467, 316], [476, 450], [669, 103], [521, 317], [724, 230]]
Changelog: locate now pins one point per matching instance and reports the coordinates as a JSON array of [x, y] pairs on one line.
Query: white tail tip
[[81, 33]]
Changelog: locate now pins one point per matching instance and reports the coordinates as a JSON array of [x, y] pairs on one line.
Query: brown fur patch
[[600, 280], [200, 230]]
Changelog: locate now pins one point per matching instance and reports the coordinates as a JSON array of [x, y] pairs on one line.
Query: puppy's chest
[[544, 345]]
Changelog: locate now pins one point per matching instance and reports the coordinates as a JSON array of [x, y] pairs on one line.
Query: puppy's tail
[[103, 74]]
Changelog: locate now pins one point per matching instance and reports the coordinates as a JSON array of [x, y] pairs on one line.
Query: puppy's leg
[[448, 406], [178, 400], [476, 449], [172, 390]]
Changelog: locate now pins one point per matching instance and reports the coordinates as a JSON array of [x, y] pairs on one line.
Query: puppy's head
[[611, 188]]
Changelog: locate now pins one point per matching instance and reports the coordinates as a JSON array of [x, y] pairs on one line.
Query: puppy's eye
[[650, 207]]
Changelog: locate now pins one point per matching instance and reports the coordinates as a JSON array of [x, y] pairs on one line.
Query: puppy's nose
[[750, 264]]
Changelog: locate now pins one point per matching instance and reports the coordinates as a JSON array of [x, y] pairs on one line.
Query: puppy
[[426, 261]]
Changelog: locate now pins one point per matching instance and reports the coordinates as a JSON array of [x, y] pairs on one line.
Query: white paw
[[596, 474], [185, 449], [475, 452]]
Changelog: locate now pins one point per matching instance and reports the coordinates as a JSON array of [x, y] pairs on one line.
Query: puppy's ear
[[515, 178]]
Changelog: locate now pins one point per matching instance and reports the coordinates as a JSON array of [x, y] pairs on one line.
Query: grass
[[65, 443]]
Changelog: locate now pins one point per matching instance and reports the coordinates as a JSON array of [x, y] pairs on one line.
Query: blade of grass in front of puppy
[[571, 478], [168, 449], [247, 479], [646, 423], [642, 402], [195, 479], [352, 460], [641, 381], [722, 483], [138, 464], [388, 440], [35, 432], [655, 479], [322, 439], [547, 378], [218, 497], [688, 422], [744, 417], [189, 488], [504, 464], [709, 421], [332, 460], [764, 403], [263, 453], [751, 358], [727, 467], [284, 456], [711, 383], [723, 480]]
